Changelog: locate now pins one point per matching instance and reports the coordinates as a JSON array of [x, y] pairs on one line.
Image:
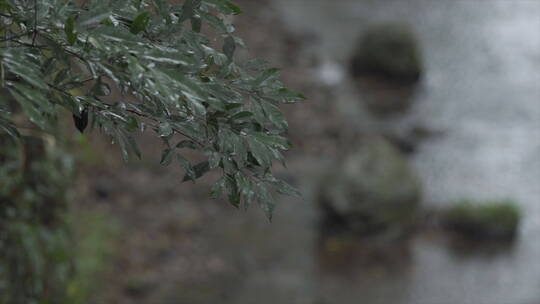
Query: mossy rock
[[496, 220], [373, 190], [390, 51]]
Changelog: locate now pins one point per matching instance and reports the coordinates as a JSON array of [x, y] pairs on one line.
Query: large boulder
[[387, 66], [372, 190], [389, 51]]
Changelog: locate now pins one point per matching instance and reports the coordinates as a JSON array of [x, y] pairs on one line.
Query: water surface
[[482, 89]]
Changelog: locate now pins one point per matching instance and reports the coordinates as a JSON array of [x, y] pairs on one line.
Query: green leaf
[[167, 156], [198, 171], [265, 77], [265, 199], [96, 15], [233, 193], [140, 23], [282, 186], [231, 106], [275, 116], [32, 111], [226, 7], [187, 144], [103, 36], [69, 30], [123, 146], [286, 96], [245, 187], [133, 145], [190, 173], [168, 57], [275, 141], [241, 116], [9, 128], [218, 188], [127, 143], [240, 149], [165, 129], [35, 96], [132, 124], [214, 159], [235, 9], [22, 65], [260, 152]]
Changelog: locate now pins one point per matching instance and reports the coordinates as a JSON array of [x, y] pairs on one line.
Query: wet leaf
[[218, 188], [187, 144], [140, 23], [274, 115], [198, 171], [241, 116], [95, 15], [69, 29], [167, 156], [165, 129]]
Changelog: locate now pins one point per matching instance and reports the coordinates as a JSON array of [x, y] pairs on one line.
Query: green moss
[[389, 50], [484, 220]]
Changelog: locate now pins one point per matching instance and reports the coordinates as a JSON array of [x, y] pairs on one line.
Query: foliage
[[126, 66], [35, 258], [492, 219], [49, 252]]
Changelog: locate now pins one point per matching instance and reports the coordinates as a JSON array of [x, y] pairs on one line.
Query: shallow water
[[482, 90]]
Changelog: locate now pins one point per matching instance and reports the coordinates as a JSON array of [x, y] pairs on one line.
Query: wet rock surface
[[387, 66], [389, 51], [372, 189]]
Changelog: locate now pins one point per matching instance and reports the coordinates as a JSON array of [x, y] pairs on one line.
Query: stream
[[482, 91]]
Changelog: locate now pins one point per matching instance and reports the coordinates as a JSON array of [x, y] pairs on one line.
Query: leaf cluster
[[129, 66], [35, 256]]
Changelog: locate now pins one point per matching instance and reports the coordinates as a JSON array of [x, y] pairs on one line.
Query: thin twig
[[29, 44], [35, 22], [109, 106], [14, 37], [175, 129]]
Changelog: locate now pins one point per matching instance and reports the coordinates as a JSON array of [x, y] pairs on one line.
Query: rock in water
[[389, 51], [372, 190]]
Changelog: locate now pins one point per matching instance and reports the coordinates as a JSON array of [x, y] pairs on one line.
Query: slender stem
[[3, 75], [35, 22], [28, 44], [155, 120], [136, 113]]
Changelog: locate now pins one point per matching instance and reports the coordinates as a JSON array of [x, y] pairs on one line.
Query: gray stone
[[389, 51], [372, 189]]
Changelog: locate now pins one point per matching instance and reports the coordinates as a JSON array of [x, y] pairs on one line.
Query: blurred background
[[417, 151]]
